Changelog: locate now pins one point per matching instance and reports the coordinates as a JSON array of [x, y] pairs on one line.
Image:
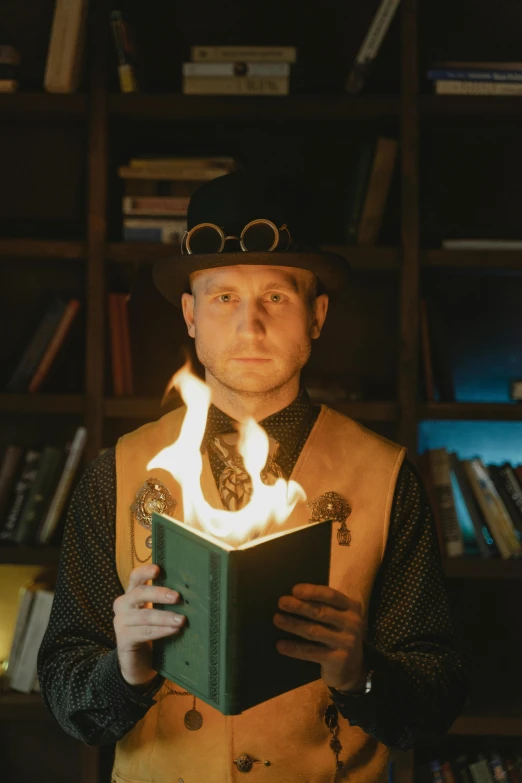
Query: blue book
[[474, 75], [142, 234]]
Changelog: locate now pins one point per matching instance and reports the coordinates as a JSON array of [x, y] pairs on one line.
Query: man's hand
[[136, 624], [334, 625]]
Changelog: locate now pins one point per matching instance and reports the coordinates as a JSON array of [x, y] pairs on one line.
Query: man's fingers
[[146, 633], [141, 575], [327, 595], [153, 617], [145, 594]]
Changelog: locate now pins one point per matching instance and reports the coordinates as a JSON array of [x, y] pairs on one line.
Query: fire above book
[[226, 653]]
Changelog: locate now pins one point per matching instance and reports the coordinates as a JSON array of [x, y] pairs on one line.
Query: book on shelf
[[238, 589], [155, 206], [369, 48], [55, 344], [503, 478], [23, 675], [121, 353], [488, 766], [235, 85], [9, 469], [181, 163], [485, 541], [9, 67], [39, 495], [377, 190], [21, 489], [189, 172], [435, 346], [481, 244], [125, 52], [495, 73], [440, 468], [66, 46], [464, 87], [235, 69], [357, 189], [154, 230], [242, 54]]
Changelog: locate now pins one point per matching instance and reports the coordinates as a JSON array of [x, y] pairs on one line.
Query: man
[[253, 298]]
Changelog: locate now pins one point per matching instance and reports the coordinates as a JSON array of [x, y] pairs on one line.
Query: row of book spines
[[492, 496], [34, 610], [492, 767], [369, 192], [35, 485], [43, 348]]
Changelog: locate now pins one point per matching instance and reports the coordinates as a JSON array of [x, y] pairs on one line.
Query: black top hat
[[232, 202]]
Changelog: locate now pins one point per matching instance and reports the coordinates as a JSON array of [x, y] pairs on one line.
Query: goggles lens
[[205, 239], [259, 237]]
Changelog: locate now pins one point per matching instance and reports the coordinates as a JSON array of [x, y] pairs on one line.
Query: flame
[[268, 505]]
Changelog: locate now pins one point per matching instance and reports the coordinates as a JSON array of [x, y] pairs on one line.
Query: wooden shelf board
[[203, 107], [481, 260], [488, 105], [42, 403], [42, 103], [149, 408], [478, 568], [482, 411], [501, 721], [42, 248], [373, 259], [22, 706], [29, 555]]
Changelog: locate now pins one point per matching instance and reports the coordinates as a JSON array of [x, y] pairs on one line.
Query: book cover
[[441, 473], [474, 75], [227, 654], [22, 488], [235, 54], [483, 536], [155, 206], [24, 676], [65, 55], [456, 87], [235, 85], [235, 69], [498, 478], [480, 771], [25, 601], [9, 470]]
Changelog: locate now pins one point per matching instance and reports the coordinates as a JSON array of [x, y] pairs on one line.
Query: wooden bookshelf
[[477, 568], [42, 403], [43, 104], [470, 105], [483, 411], [29, 555], [479, 260], [42, 249], [504, 720]]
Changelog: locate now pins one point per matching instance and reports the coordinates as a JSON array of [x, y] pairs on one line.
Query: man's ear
[[187, 305], [319, 310]]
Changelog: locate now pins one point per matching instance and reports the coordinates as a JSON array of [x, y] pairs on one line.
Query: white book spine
[[64, 484], [376, 32], [25, 674], [234, 54], [65, 46], [236, 69], [485, 493], [236, 85], [24, 608]]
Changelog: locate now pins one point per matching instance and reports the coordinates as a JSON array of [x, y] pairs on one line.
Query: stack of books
[[476, 78], [9, 64], [238, 70], [477, 507], [157, 191], [35, 484]]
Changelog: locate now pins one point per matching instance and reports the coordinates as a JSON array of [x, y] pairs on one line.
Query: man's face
[[253, 325]]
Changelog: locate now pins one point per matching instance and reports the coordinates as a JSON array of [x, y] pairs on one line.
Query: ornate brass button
[[244, 762]]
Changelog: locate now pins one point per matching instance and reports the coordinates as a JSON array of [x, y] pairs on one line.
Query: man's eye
[[276, 298], [225, 298]]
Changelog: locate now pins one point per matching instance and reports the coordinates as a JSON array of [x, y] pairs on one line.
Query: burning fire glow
[[268, 505]]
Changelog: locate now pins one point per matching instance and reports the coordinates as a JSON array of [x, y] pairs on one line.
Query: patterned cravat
[[235, 484]]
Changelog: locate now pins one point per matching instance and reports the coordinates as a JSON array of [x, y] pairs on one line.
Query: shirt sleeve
[[78, 670], [420, 669]]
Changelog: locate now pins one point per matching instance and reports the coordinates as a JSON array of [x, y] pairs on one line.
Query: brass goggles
[[257, 236]]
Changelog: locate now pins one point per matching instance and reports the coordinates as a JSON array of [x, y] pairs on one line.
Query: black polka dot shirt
[[420, 672]]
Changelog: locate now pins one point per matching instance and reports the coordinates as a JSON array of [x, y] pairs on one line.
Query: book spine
[[360, 182], [155, 206], [473, 75], [483, 536], [34, 351], [454, 87], [123, 301], [25, 674], [54, 346], [235, 69], [513, 486], [441, 473], [370, 46], [118, 379], [21, 491], [192, 174], [39, 496], [25, 601], [124, 51], [511, 508], [480, 771], [492, 507], [377, 193], [61, 494], [232, 655], [236, 85], [234, 54], [11, 464], [66, 46]]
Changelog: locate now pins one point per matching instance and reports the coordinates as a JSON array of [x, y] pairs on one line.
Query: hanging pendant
[[193, 718]]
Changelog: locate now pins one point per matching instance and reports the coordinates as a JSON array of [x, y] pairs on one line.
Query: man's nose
[[251, 318]]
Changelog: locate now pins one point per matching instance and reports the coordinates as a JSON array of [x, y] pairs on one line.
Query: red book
[[56, 342]]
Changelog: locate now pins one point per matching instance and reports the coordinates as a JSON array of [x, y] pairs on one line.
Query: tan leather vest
[[288, 731]]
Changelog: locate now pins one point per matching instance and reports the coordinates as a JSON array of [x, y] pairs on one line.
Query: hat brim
[[171, 275]]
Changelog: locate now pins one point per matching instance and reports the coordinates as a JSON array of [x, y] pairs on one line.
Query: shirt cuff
[[121, 693]]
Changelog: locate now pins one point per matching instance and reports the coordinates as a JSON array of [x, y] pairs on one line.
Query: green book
[[226, 654]]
